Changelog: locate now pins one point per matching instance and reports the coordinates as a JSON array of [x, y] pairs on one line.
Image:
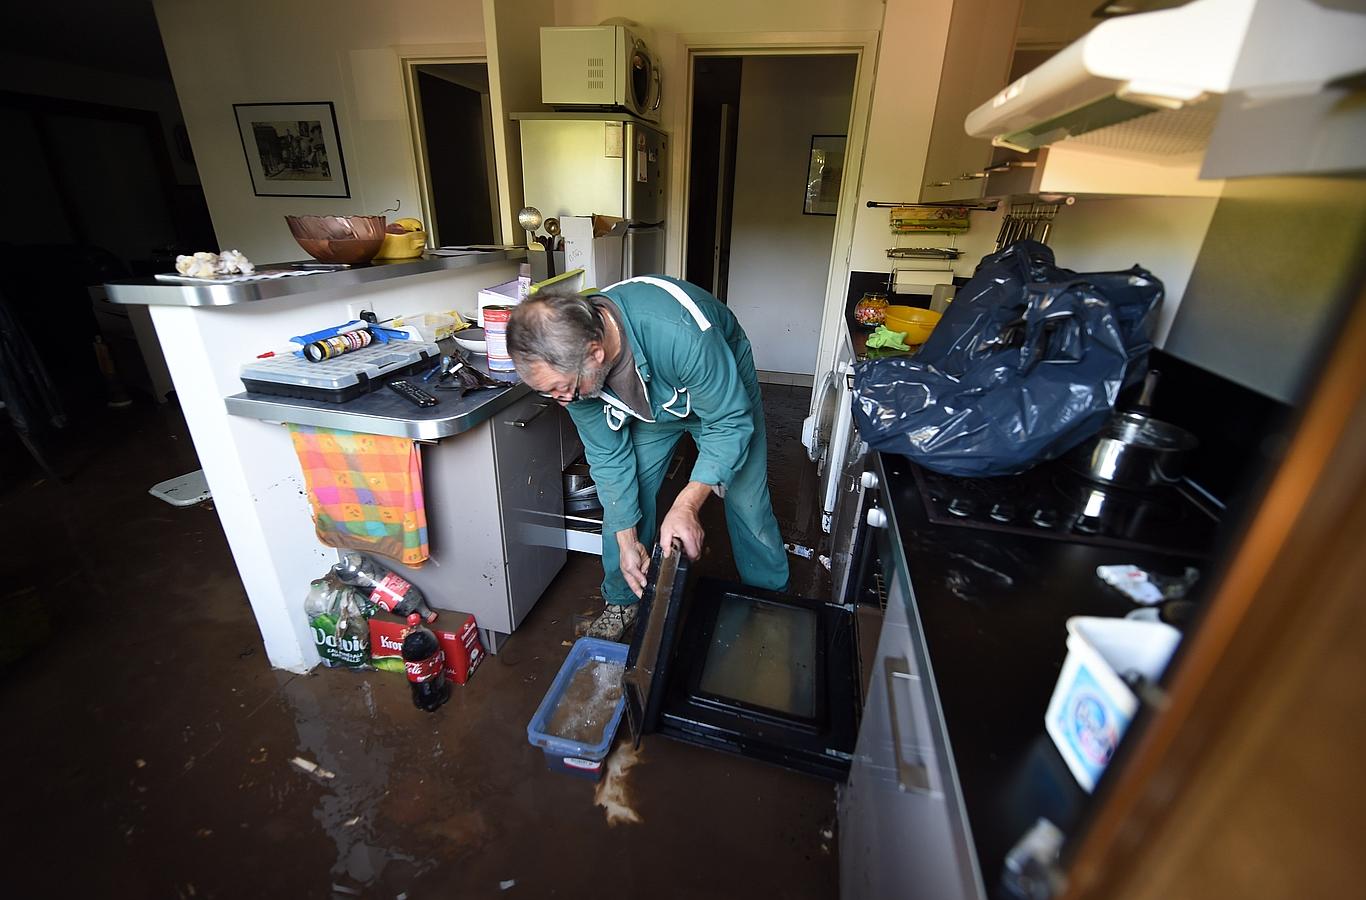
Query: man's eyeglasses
[[578, 376]]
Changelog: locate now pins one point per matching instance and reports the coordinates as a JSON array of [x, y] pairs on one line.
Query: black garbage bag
[[1026, 364]]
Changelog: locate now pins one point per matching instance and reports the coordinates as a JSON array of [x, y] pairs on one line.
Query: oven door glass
[[767, 675]]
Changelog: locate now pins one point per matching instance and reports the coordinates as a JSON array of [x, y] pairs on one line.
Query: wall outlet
[[355, 307]]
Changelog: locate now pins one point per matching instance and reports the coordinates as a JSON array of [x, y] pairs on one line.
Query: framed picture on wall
[[292, 149], [825, 169]]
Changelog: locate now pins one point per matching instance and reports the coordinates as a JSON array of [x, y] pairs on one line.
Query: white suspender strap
[[676, 292]]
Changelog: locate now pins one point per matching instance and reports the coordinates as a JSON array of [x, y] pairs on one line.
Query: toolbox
[[340, 378]]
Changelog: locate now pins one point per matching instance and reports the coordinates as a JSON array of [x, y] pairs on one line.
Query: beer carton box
[[458, 634], [459, 637]]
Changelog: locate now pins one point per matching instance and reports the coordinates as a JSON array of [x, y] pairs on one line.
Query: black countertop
[[994, 607]]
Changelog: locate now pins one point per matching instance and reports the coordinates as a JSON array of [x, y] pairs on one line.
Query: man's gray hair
[[553, 326]]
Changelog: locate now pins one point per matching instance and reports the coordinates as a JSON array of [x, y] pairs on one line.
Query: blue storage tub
[[561, 754]]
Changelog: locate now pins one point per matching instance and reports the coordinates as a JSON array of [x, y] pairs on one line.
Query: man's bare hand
[[635, 561], [682, 521]]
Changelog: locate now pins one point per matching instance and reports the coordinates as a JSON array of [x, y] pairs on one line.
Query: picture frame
[[292, 149], [825, 171]]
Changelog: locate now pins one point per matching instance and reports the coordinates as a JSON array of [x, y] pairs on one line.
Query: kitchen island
[[207, 331]]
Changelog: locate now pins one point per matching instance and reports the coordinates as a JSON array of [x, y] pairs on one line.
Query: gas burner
[[1052, 501], [1045, 517], [961, 507]]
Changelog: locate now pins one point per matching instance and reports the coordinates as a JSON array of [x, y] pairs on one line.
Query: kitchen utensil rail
[[987, 205]]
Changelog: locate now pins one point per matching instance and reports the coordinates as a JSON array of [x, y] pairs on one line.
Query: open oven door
[[742, 670]]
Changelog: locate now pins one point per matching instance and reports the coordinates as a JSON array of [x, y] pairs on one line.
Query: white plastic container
[[1091, 705]]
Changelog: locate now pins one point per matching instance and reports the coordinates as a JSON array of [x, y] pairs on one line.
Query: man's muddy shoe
[[612, 624]]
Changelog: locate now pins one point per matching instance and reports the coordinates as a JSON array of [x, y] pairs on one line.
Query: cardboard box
[[594, 244], [1091, 705], [459, 638]]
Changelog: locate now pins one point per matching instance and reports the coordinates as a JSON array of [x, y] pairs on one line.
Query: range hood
[[1179, 62]]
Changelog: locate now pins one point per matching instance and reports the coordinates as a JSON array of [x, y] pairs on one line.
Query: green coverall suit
[[698, 372]]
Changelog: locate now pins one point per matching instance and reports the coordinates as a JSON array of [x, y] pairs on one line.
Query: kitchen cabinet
[[495, 517], [976, 65], [902, 828], [1085, 166]]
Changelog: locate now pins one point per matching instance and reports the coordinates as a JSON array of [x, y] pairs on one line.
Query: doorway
[[455, 151], [767, 134]]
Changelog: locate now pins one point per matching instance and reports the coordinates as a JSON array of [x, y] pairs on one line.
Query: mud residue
[[613, 793], [588, 703]]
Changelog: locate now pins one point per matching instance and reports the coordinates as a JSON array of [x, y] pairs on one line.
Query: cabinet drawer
[[526, 450]]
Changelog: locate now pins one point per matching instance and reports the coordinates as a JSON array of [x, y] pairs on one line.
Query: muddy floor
[[151, 751]]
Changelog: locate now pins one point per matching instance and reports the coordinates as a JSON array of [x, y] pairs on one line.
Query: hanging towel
[[365, 490]]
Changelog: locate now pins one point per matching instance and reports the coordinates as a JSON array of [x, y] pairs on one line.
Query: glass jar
[[871, 310]]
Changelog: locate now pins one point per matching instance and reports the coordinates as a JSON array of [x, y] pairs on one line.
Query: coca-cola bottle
[[425, 662], [387, 589]]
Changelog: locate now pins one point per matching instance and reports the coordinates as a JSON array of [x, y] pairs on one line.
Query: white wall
[[909, 61], [513, 36], [1162, 234], [50, 78], [345, 51], [779, 257]]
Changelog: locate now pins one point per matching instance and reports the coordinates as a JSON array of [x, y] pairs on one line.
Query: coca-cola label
[[425, 669], [390, 592]]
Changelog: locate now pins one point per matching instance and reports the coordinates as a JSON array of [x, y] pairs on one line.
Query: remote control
[[412, 393]]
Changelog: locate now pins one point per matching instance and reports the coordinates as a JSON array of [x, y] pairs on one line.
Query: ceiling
[[110, 35]]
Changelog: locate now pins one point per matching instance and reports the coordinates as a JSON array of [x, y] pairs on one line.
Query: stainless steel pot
[[1135, 451]]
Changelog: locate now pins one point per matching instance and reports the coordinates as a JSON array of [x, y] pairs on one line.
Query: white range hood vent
[[1180, 61]]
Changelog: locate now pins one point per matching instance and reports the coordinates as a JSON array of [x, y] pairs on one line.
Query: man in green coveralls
[[638, 364]]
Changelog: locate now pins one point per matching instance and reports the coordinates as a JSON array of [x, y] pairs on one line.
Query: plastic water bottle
[[425, 663], [388, 590]]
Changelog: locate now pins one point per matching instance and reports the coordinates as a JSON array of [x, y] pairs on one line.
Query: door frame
[[863, 45], [409, 59]]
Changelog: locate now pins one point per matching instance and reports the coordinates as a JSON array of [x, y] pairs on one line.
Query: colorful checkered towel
[[366, 491]]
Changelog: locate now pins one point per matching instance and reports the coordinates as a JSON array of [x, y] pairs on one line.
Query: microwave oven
[[599, 67]]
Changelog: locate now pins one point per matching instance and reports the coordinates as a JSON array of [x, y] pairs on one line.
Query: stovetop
[[1053, 501]]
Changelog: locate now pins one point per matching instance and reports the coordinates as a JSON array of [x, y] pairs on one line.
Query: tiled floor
[[149, 744]]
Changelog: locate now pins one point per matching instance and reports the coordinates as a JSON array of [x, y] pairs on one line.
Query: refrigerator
[[580, 164]]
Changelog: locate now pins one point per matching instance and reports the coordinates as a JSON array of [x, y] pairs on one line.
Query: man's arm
[[612, 463], [718, 397]]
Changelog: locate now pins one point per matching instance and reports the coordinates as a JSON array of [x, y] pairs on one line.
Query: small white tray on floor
[[185, 490]]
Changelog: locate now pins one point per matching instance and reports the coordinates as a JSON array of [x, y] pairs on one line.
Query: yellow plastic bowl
[[402, 246], [916, 322]]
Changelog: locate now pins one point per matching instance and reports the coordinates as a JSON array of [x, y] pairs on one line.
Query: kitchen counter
[[384, 412], [153, 292], [993, 608], [207, 332]]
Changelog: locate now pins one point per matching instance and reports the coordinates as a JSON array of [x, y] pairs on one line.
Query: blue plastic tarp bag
[[1026, 364]]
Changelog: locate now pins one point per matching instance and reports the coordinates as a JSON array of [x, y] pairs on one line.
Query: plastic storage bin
[[562, 755], [1091, 705], [432, 326]]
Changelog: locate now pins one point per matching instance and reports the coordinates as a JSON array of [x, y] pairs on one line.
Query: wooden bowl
[[348, 240]]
